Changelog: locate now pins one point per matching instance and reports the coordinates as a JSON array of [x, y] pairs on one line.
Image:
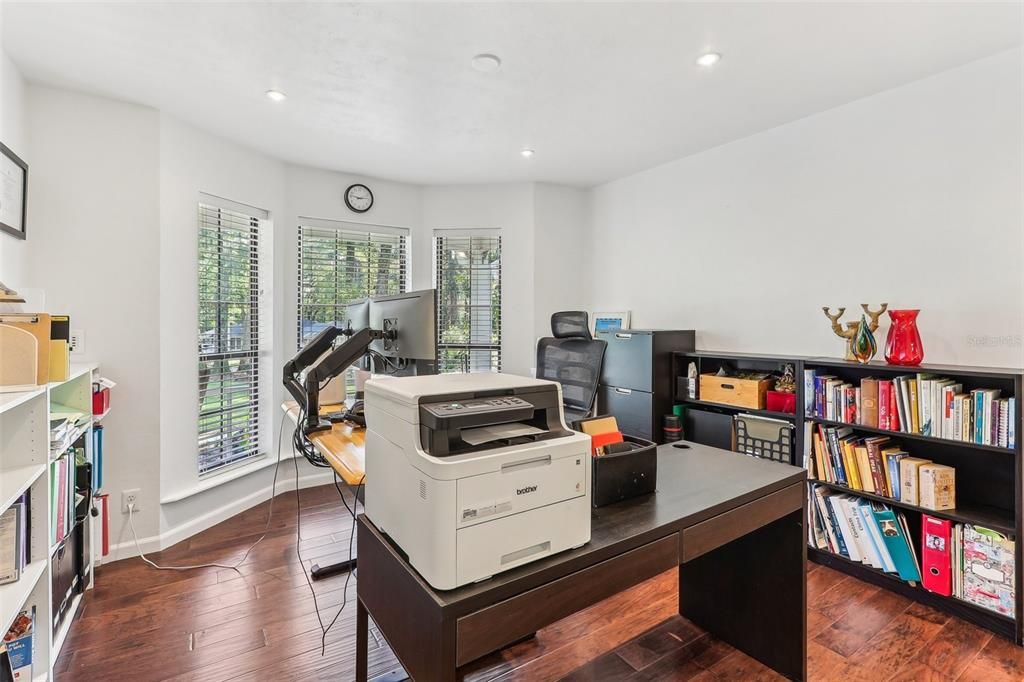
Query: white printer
[[474, 474]]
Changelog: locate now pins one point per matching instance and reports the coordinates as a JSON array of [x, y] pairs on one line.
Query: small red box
[[101, 401], [781, 402]]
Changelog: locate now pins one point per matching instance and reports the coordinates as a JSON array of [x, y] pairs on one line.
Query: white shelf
[[97, 418], [14, 595], [13, 482], [8, 401]]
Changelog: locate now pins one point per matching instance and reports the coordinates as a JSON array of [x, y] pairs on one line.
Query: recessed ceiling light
[[709, 59], [527, 153], [276, 95], [486, 63]]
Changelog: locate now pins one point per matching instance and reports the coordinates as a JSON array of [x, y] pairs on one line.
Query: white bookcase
[[25, 458]]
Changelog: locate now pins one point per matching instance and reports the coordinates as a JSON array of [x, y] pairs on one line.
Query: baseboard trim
[[171, 537]]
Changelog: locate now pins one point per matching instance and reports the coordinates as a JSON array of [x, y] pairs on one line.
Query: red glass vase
[[903, 344]]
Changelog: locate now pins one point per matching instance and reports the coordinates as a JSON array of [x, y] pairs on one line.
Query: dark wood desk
[[735, 526]]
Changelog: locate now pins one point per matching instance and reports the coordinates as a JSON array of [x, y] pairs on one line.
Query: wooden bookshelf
[[989, 479], [988, 482]]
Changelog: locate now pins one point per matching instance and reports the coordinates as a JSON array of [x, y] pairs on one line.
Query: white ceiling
[[599, 90]]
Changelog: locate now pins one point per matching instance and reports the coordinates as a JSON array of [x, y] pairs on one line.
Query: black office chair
[[573, 358]]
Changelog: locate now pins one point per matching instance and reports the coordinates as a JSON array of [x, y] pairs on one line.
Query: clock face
[[359, 198]]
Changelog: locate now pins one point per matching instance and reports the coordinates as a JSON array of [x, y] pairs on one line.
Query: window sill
[[216, 479]]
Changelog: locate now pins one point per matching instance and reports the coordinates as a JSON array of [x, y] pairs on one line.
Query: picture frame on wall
[[13, 192]]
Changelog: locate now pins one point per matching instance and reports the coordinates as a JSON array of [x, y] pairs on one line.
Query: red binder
[[936, 563], [105, 520]]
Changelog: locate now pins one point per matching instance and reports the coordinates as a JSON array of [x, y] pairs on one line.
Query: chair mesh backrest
[[570, 324], [573, 359]]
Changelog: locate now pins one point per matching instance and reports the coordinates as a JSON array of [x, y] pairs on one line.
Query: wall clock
[[358, 198]]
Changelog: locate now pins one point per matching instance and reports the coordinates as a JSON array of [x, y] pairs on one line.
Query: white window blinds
[[229, 336], [468, 280], [338, 265]]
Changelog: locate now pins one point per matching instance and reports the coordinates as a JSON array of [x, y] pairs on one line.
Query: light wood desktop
[[343, 446]]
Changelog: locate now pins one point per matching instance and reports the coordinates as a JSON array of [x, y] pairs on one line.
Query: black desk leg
[[362, 641], [318, 572], [752, 593]]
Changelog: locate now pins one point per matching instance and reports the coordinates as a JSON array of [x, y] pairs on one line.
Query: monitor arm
[[332, 364]]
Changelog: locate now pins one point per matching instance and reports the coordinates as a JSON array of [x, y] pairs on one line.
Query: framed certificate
[[13, 192]]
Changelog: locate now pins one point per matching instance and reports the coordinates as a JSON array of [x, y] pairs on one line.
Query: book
[[876, 537], [924, 403], [11, 544], [841, 545], [869, 401], [850, 464], [1001, 436], [891, 458], [894, 416], [867, 482], [909, 479], [1011, 423], [873, 447], [902, 402], [18, 643], [809, 391], [897, 543], [915, 418], [884, 396], [845, 528], [830, 534], [937, 486], [987, 566]]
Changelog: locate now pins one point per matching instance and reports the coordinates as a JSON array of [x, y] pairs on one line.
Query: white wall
[[13, 251], [560, 252], [912, 196], [94, 245], [508, 207], [315, 193]]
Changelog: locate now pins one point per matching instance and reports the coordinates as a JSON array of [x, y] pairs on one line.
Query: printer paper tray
[[487, 549]]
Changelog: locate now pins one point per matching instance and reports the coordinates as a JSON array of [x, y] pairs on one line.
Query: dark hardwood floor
[[258, 623]]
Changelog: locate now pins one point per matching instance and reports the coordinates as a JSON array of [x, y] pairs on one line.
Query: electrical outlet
[[130, 497], [76, 343]]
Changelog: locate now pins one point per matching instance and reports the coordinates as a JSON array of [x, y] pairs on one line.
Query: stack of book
[[968, 562], [877, 465], [14, 544], [921, 404], [865, 532]]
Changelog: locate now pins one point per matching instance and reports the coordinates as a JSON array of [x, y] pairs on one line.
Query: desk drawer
[[496, 626], [724, 528]]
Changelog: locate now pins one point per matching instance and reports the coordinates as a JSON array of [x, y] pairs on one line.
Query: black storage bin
[[708, 427], [627, 474]]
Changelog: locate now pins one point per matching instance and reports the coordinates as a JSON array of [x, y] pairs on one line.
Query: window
[[339, 264], [229, 335], [468, 280]]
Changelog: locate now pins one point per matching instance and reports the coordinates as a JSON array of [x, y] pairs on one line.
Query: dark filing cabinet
[[636, 381]]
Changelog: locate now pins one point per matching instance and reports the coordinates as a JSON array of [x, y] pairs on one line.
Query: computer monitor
[[412, 316], [357, 314]]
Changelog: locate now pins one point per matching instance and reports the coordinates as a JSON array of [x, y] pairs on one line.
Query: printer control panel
[[481, 406]]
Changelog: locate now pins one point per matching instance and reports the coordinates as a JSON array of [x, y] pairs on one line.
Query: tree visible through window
[[338, 266], [468, 280], [229, 337]]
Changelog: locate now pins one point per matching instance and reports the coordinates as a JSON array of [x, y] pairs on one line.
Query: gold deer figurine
[[851, 327]]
